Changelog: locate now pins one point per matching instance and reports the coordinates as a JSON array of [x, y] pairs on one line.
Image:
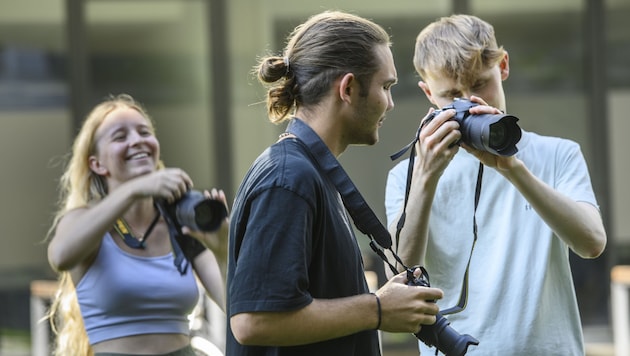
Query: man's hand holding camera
[[405, 308], [499, 162], [437, 144]]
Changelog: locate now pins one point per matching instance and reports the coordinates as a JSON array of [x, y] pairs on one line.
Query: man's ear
[[427, 91], [504, 66], [96, 167], [347, 84]]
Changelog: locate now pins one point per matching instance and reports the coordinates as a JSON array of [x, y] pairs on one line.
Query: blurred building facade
[[189, 62]]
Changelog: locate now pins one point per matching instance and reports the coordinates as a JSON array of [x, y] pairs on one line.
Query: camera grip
[[440, 334]]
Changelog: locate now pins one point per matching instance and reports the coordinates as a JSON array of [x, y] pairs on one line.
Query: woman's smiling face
[[126, 147]]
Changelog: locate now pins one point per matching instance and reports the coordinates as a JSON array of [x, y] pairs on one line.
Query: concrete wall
[[619, 109]]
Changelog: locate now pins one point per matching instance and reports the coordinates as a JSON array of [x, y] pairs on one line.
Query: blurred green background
[[189, 62]]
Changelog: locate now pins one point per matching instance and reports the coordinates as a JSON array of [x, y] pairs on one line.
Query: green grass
[[14, 342]]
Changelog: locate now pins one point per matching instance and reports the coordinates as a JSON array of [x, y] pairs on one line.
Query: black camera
[[196, 211], [497, 134], [440, 334]]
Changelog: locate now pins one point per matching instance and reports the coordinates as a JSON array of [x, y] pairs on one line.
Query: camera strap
[[180, 261], [122, 228], [362, 215], [463, 297]]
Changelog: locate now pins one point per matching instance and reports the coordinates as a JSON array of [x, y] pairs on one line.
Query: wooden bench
[[42, 293], [620, 285]]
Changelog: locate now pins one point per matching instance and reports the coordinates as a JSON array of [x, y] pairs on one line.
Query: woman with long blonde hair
[[125, 282]]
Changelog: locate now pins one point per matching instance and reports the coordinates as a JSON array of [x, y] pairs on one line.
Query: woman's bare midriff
[[144, 344]]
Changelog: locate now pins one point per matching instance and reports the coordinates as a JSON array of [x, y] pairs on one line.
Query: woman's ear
[[96, 167]]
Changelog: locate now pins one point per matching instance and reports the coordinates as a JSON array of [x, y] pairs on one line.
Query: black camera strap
[[362, 215], [412, 156], [122, 228], [463, 297], [180, 261]]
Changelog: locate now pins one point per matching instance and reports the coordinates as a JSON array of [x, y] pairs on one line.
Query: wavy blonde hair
[[78, 187]]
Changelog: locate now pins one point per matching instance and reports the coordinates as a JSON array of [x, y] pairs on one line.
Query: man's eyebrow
[[392, 80]]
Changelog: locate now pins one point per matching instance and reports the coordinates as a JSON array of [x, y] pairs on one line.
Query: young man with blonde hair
[[505, 256]]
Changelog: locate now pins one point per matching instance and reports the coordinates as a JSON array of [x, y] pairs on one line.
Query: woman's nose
[[135, 138]]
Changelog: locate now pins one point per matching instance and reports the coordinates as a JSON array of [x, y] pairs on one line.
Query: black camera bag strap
[[362, 215], [463, 297]]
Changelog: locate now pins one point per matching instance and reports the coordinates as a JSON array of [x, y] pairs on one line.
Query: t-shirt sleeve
[[574, 179], [395, 191], [273, 254]]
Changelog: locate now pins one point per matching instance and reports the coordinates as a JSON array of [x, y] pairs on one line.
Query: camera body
[[440, 334], [497, 134], [196, 211]]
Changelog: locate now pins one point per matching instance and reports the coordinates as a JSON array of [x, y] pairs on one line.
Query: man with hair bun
[[296, 284]]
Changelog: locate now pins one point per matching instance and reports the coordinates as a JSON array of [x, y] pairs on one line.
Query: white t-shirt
[[521, 299]]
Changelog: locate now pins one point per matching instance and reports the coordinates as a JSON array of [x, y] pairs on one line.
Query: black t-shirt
[[291, 241]]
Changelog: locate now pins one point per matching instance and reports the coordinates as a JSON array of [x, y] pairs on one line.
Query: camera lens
[[198, 212], [503, 135], [209, 214], [440, 334], [203, 215], [497, 135]]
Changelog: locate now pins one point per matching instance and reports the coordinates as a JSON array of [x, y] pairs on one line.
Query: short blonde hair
[[458, 47]]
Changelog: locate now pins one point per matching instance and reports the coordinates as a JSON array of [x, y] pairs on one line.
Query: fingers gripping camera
[[197, 212], [440, 334], [497, 134]]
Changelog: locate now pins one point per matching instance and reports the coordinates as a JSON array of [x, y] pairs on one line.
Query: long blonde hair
[[78, 187]]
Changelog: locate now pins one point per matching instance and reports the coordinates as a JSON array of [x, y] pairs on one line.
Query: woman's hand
[[217, 240], [169, 184]]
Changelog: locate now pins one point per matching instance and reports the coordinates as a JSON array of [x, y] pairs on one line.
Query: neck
[[328, 127], [142, 212]]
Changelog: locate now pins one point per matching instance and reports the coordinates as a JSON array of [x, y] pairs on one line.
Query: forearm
[[323, 319], [217, 243], [434, 151], [579, 224], [80, 231], [212, 276]]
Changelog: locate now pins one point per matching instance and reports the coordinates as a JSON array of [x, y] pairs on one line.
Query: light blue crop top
[[122, 295]]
